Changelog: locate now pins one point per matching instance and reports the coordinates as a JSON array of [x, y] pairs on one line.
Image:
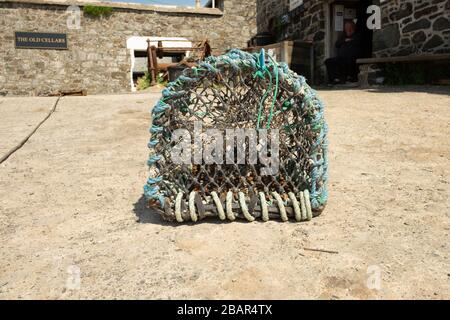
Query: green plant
[[144, 82], [97, 11], [160, 79]]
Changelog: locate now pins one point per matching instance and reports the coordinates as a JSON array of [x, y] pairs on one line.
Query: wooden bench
[[366, 63]]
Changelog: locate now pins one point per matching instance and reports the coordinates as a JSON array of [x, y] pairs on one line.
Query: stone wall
[[413, 27], [408, 26], [97, 58], [307, 23]]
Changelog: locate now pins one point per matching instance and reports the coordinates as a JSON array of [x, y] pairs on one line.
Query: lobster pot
[[240, 136]]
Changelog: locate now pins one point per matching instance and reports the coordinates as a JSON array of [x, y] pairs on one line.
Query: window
[[214, 4]]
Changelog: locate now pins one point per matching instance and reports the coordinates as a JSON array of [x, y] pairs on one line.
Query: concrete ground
[[70, 198]]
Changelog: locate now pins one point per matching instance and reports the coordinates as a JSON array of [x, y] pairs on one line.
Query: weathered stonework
[[97, 58], [307, 25], [408, 27], [413, 27]]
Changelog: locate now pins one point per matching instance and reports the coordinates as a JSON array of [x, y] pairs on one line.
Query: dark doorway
[[361, 25], [355, 10]]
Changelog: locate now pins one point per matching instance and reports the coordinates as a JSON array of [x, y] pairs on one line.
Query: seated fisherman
[[344, 67]]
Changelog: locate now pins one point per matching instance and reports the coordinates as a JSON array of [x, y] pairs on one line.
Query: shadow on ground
[[419, 89], [445, 90], [145, 215]]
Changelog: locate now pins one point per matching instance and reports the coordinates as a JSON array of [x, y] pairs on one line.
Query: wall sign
[[339, 18], [293, 4], [349, 14], [40, 40]]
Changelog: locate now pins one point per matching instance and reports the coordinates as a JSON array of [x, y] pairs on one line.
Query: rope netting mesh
[[240, 90]]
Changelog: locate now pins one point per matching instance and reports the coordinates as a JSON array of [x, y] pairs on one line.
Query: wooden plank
[[443, 82], [413, 58], [165, 66], [154, 65], [174, 49]]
